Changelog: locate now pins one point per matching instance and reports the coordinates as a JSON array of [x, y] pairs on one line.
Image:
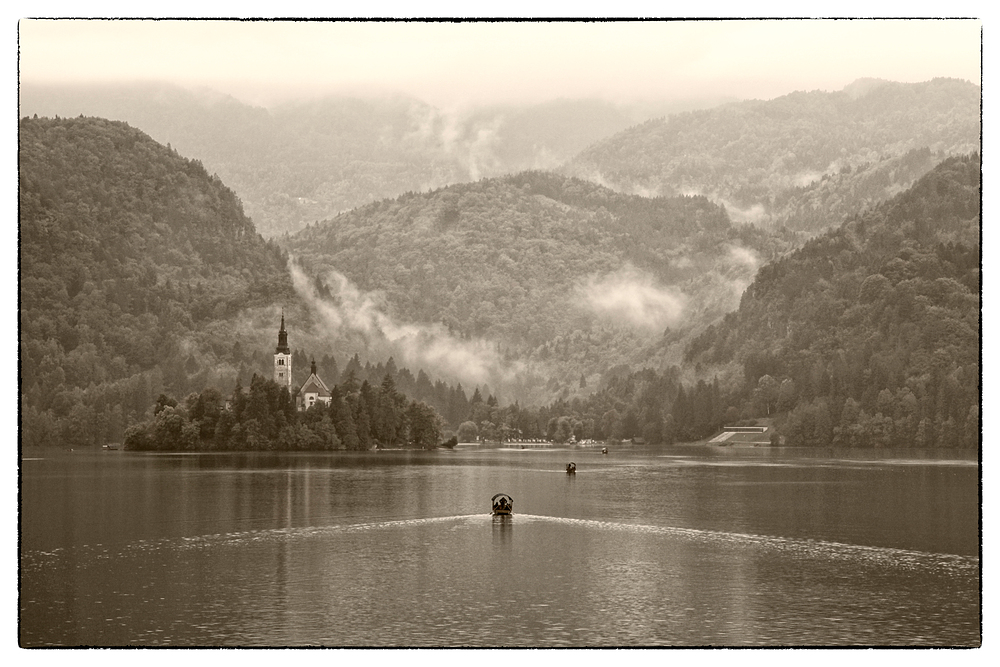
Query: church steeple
[[282, 337], [283, 357]]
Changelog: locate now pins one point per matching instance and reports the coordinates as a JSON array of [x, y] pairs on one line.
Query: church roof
[[314, 385]]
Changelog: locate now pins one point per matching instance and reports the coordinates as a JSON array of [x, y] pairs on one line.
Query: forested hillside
[[869, 335], [299, 162], [556, 271], [143, 286], [129, 253], [797, 160], [140, 275]]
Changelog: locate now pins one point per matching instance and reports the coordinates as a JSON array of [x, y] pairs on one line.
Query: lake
[[673, 546]]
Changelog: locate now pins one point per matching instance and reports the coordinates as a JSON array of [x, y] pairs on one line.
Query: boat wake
[[796, 547], [904, 558]]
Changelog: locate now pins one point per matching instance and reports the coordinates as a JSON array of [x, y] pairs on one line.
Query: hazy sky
[[454, 63]]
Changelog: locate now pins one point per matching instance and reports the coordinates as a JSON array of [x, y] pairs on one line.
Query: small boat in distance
[[570, 468], [503, 505]]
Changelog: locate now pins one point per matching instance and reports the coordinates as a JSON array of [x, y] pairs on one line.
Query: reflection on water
[[398, 549], [503, 527]]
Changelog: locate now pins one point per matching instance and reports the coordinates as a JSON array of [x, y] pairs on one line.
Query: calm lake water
[[667, 547]]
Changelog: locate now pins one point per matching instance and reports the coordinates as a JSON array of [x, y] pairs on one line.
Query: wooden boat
[[503, 505], [570, 468]]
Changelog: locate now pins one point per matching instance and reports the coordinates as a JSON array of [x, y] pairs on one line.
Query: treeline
[[360, 416], [645, 406], [451, 401]]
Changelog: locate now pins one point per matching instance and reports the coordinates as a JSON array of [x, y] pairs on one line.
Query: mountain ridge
[[300, 161], [747, 154]]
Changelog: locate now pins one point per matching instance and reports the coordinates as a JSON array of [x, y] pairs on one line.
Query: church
[[313, 390]]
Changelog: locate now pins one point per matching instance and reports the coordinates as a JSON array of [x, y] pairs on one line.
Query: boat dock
[[742, 435]]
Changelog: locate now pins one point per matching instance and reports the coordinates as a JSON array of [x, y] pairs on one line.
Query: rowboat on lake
[[502, 505], [570, 468]]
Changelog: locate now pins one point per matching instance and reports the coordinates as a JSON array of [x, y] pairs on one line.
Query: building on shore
[[312, 390]]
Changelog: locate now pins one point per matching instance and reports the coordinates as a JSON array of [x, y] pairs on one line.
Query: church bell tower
[[283, 358]]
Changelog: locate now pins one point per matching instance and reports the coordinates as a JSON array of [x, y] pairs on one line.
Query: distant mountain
[[301, 162], [869, 335], [796, 160], [562, 274], [129, 256]]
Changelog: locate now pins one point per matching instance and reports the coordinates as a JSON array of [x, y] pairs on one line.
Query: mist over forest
[[572, 268], [302, 160]]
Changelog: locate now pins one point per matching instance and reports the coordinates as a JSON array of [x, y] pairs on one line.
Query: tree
[[766, 394], [468, 432], [425, 426], [669, 434], [787, 395], [163, 401], [563, 430]]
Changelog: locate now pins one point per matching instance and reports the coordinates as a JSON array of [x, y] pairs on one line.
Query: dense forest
[[866, 337], [366, 413], [148, 301], [525, 260], [756, 156], [869, 335], [825, 203], [127, 250], [140, 276], [359, 416]]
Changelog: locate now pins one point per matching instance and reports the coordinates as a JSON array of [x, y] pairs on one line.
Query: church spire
[[282, 337], [283, 357]]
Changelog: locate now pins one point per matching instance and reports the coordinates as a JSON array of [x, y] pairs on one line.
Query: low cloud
[[804, 178], [633, 297], [733, 275], [744, 258], [754, 214], [471, 145], [427, 346]]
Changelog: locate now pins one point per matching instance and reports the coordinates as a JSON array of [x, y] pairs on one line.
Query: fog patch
[[744, 257], [731, 276], [806, 178], [469, 146], [352, 311], [633, 297], [752, 214], [643, 191]]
